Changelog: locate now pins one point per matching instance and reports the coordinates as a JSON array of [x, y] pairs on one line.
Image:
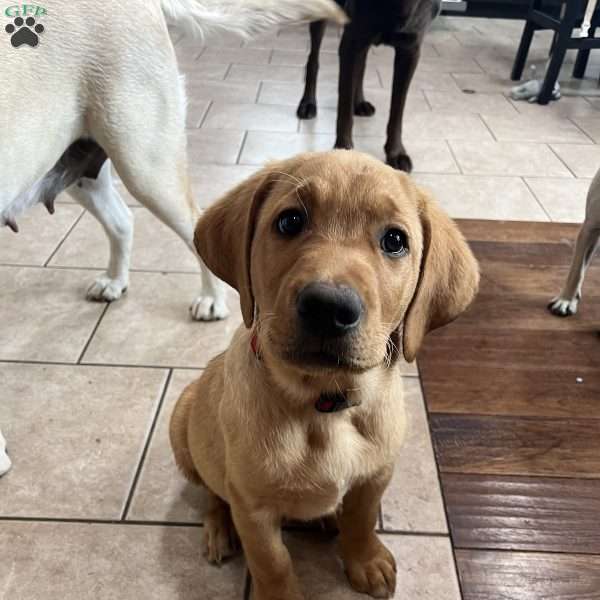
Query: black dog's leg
[[405, 63], [362, 107], [307, 109], [353, 55]]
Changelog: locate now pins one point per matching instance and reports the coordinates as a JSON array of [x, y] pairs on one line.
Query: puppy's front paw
[[372, 570], [105, 289], [208, 308], [563, 307], [307, 109], [364, 109], [400, 161]]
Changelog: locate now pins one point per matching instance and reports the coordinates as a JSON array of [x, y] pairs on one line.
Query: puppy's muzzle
[[328, 310]]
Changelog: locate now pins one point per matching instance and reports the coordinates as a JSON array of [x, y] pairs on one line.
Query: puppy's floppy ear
[[448, 278], [224, 233]]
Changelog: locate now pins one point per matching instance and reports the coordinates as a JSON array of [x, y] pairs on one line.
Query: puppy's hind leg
[[566, 304], [220, 537], [178, 428], [100, 197]]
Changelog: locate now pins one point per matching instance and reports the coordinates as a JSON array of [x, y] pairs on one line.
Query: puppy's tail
[[246, 17]]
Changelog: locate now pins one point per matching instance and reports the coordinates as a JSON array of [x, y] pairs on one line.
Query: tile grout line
[[460, 170], [62, 241], [53, 363], [589, 137], [241, 150], [99, 269], [482, 119], [196, 525], [146, 447], [442, 492], [258, 92], [524, 180], [424, 95], [204, 116], [93, 521], [561, 160], [227, 71], [89, 341]]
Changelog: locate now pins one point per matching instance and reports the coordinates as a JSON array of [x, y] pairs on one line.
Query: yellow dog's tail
[[246, 17]]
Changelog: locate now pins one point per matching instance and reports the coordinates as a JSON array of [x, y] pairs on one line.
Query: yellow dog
[[341, 263]]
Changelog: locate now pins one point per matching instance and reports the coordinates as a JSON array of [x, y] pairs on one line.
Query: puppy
[[587, 241], [398, 23], [341, 264], [101, 82]]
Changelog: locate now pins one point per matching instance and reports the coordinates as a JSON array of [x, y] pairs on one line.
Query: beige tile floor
[[94, 507]]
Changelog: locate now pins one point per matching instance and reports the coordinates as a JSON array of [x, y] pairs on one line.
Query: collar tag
[[328, 403]]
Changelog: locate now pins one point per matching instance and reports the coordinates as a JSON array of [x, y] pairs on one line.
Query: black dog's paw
[[24, 32], [400, 161], [343, 144], [364, 109], [307, 109]]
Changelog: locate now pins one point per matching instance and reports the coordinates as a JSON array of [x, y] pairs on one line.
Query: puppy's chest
[[310, 467]]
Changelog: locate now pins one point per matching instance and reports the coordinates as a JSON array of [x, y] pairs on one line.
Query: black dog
[[397, 23]]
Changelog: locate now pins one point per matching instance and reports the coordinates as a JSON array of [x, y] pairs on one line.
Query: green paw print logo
[[24, 30]]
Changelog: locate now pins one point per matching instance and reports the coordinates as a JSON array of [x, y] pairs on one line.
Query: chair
[[561, 17]]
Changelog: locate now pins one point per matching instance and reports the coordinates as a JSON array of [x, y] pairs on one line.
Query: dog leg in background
[[152, 162], [587, 240], [163, 188], [370, 566], [307, 109], [5, 463], [100, 197], [362, 107], [353, 55], [405, 63]]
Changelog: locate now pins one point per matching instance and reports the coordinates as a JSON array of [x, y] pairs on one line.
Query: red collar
[[325, 403], [254, 345]]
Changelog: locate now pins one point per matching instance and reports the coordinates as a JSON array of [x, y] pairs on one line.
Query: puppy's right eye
[[290, 222]]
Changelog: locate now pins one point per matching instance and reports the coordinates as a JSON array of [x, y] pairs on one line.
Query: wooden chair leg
[[523, 51], [582, 59], [552, 73], [569, 14]]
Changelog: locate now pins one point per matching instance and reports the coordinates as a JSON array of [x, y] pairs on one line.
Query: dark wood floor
[[513, 396]]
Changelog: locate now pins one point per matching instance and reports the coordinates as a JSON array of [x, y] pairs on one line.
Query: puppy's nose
[[329, 310]]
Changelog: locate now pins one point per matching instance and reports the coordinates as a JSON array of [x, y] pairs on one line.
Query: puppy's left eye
[[290, 222], [394, 242]]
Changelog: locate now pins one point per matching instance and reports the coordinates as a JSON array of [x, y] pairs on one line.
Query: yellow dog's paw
[[220, 537], [373, 572]]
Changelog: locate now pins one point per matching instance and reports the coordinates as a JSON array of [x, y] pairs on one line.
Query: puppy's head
[[337, 258]]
